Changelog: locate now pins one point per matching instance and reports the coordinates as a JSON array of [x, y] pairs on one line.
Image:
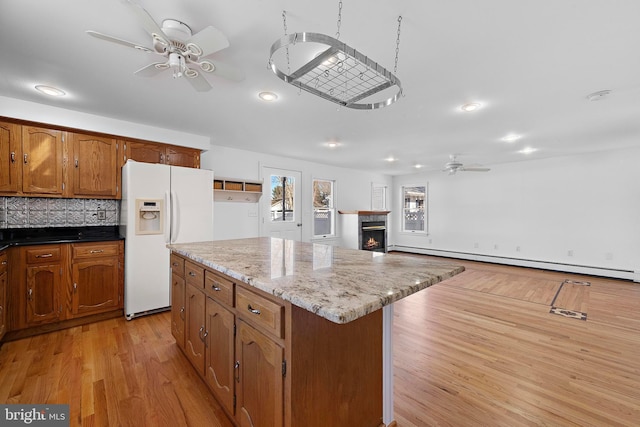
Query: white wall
[[575, 211], [47, 114], [238, 220]]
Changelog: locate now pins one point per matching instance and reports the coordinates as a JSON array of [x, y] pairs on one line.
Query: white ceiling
[[530, 64]]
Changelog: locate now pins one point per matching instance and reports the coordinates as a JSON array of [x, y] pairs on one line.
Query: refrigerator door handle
[[167, 216], [175, 220]]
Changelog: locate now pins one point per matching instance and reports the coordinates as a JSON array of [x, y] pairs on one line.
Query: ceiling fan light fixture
[[268, 96], [49, 90]]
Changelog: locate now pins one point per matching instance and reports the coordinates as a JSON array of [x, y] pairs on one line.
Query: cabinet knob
[[236, 367], [25, 158], [215, 287], [13, 157], [182, 313], [192, 274], [76, 163], [30, 294], [75, 287]]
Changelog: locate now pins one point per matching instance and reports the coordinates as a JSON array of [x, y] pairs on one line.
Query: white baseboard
[[520, 262]]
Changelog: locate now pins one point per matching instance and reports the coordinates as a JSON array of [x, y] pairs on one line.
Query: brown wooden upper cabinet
[[94, 166], [31, 160], [10, 154], [149, 152]]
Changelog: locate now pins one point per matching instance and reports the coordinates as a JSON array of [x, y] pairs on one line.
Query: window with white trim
[[324, 213], [414, 204]]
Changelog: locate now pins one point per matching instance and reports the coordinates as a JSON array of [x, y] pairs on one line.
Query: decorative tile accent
[[36, 212], [568, 313]]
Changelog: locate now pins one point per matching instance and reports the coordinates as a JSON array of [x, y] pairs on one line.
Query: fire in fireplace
[[373, 236]]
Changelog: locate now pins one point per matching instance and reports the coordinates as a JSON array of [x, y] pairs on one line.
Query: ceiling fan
[[183, 51], [454, 166]]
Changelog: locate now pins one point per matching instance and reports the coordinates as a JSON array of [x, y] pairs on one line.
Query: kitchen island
[[324, 313]]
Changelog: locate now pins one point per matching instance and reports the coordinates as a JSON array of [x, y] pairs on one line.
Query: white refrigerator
[[161, 204]]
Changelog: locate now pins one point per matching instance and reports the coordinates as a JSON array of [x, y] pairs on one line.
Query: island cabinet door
[[220, 353], [259, 379], [194, 337], [178, 308]]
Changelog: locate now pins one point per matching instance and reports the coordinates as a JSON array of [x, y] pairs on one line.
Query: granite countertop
[[336, 283]]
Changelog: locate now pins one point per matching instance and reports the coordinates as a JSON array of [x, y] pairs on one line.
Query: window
[[378, 197], [323, 210], [282, 191], [413, 209]]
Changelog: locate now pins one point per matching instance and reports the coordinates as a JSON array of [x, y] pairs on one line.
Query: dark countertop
[[41, 236]]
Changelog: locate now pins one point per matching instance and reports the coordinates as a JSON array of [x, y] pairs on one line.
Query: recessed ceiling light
[[267, 96], [49, 90], [597, 96], [333, 144], [470, 106], [418, 166], [391, 159], [528, 150], [512, 137]]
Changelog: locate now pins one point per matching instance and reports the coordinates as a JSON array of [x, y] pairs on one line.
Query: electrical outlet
[[102, 214]]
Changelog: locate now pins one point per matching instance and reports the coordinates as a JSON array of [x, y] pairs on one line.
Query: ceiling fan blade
[[149, 24], [117, 40], [221, 70], [198, 82], [207, 41], [152, 69]]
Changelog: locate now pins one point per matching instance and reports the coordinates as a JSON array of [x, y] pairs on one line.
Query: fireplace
[[365, 230], [373, 236]]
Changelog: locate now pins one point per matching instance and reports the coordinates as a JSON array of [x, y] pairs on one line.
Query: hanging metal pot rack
[[340, 73]]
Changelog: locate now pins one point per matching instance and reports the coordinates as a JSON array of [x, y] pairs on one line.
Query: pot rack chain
[[284, 22], [339, 19], [395, 67]]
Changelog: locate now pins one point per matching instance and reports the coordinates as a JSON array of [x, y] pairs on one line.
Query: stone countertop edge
[[328, 306]]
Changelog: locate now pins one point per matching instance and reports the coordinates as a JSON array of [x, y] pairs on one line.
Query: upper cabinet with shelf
[[236, 190]]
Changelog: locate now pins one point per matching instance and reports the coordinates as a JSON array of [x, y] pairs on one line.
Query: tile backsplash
[[35, 212]]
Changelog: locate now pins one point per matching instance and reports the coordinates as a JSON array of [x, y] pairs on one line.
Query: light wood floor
[[480, 349]]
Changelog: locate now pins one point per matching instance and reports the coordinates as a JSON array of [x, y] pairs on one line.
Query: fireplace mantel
[[364, 212]]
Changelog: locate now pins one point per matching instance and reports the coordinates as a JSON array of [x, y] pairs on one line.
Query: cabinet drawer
[[177, 265], [194, 274], [3, 262], [43, 254], [259, 311], [94, 250], [218, 288]]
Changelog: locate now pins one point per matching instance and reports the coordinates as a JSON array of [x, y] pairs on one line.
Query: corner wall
[[578, 214]]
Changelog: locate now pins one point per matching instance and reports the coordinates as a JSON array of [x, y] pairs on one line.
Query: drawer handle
[[192, 274], [253, 310], [44, 256], [96, 251], [215, 287], [175, 264]]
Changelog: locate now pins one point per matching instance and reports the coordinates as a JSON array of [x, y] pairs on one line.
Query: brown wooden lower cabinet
[[269, 363], [3, 292], [59, 282]]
